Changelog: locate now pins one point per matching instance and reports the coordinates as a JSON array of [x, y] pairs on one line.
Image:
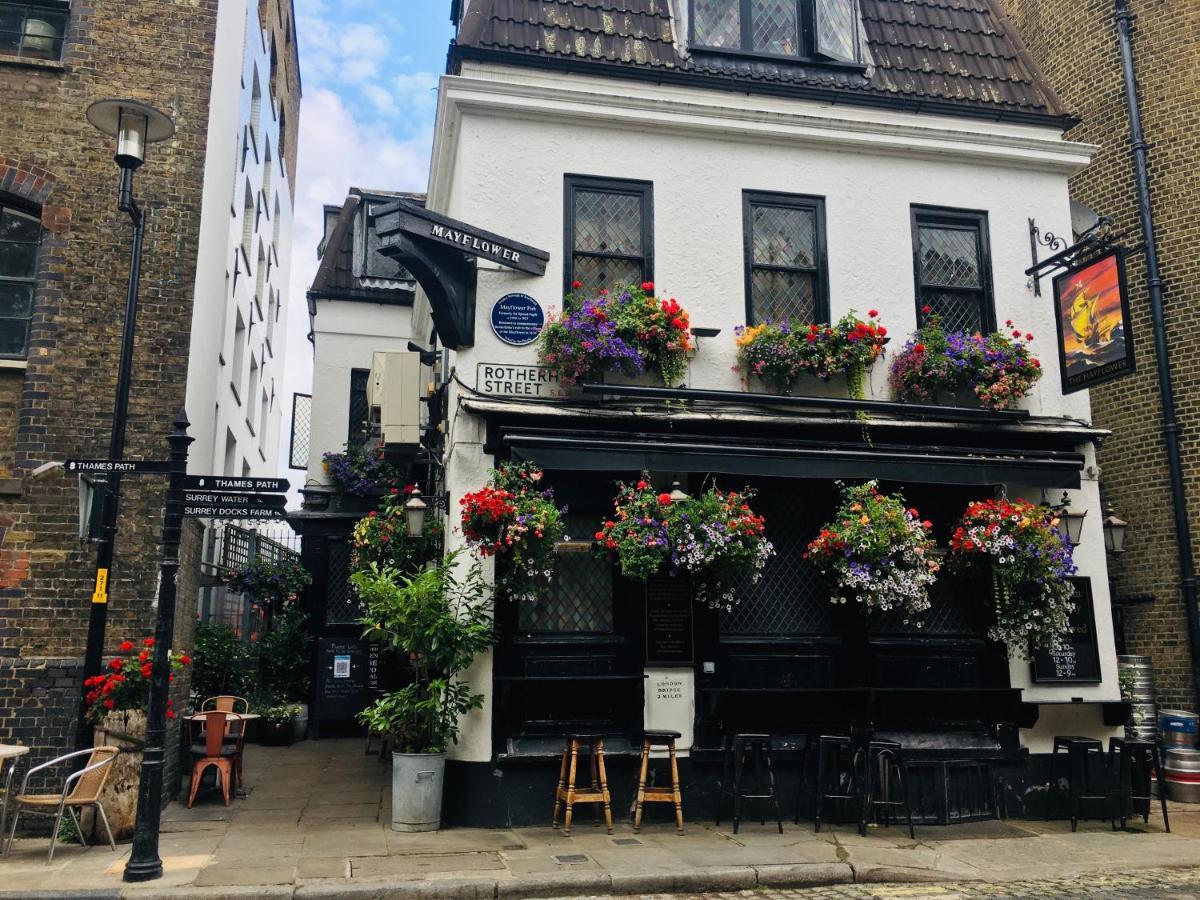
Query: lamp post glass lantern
[[414, 515], [1072, 519], [1114, 532]]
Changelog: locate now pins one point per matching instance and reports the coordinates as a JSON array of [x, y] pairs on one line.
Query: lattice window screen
[[342, 606], [301, 430]]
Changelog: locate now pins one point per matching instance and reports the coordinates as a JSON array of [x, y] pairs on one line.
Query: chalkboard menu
[[1078, 660], [669, 622], [343, 674]]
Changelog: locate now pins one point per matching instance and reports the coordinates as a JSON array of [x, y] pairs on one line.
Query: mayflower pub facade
[[756, 162]]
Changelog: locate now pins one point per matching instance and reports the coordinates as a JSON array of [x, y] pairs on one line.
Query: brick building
[[1076, 46], [64, 255]]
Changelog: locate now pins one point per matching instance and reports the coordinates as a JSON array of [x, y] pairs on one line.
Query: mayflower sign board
[[1091, 307]]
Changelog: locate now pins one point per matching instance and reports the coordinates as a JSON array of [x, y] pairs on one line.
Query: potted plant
[[515, 519], [269, 584], [1030, 561], [117, 701], [877, 552], [780, 354], [715, 538], [284, 655], [277, 725], [439, 619], [996, 368], [360, 474], [626, 331]]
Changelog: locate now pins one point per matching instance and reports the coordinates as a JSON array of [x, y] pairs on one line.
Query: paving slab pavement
[[309, 827]]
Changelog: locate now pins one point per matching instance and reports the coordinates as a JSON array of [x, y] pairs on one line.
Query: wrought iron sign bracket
[[1094, 241]]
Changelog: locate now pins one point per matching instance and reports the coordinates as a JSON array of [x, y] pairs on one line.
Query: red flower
[[149, 642], [642, 485], [664, 499], [918, 348], [603, 292], [576, 285], [873, 313], [143, 656], [110, 703], [599, 535], [648, 286], [170, 714], [372, 514], [1037, 363], [881, 331], [927, 309], [185, 659], [1016, 334], [678, 325], [114, 664], [126, 646], [1028, 336], [146, 670]]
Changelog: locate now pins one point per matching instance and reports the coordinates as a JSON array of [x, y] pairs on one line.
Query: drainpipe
[[1154, 284]]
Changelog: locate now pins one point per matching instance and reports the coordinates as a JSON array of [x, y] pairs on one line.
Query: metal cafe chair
[[226, 703], [79, 790], [211, 749]]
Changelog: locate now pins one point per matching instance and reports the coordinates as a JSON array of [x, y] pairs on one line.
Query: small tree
[[440, 619], [224, 664]]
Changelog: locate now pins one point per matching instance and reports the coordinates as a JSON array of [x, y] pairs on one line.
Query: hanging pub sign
[[1077, 661], [517, 319], [1091, 309]]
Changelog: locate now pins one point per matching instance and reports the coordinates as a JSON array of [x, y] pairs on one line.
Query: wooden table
[[13, 752]]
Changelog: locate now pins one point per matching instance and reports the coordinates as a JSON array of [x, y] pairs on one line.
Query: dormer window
[[789, 29]]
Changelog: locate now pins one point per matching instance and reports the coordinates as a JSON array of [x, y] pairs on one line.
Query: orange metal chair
[[212, 750], [226, 703]]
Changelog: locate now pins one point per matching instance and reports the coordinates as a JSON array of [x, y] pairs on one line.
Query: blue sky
[[370, 70]]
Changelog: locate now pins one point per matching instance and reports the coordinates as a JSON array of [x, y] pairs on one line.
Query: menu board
[[669, 622], [343, 677], [1077, 661]]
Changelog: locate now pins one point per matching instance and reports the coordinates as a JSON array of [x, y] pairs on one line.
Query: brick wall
[[1076, 45], [60, 405]]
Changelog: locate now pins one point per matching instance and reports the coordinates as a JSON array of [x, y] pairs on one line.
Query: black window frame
[[806, 35], [358, 434], [961, 219], [808, 203], [572, 184], [32, 281], [60, 7]]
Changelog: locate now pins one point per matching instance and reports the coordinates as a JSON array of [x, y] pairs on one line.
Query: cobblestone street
[[1160, 884]]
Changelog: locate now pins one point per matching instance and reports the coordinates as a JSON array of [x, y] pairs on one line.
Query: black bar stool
[[1135, 760], [651, 739], [1078, 750], [884, 761], [836, 756], [566, 793], [739, 749]]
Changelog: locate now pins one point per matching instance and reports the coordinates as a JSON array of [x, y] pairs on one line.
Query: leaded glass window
[[609, 234], [953, 270], [20, 234], [580, 596], [785, 264], [797, 28], [33, 29], [359, 426]]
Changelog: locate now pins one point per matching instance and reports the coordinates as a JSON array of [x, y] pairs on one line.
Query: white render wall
[[226, 279], [505, 139], [346, 334]]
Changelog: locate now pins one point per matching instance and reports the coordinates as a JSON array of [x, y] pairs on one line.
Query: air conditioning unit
[[394, 389]]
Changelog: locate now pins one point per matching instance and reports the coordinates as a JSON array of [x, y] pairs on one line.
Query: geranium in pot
[[877, 553], [1030, 561], [440, 620]]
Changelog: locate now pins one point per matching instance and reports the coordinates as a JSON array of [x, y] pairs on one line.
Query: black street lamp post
[[134, 125], [144, 862]]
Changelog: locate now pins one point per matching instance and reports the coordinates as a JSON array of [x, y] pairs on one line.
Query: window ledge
[[14, 364], [43, 65]]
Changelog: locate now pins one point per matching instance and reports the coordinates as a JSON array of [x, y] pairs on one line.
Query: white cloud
[[336, 152]]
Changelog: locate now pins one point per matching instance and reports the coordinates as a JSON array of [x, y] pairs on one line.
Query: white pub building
[[759, 161]]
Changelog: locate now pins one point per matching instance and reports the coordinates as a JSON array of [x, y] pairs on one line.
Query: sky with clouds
[[370, 71]]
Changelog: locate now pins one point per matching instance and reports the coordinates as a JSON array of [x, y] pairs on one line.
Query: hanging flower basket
[[514, 518], [268, 584], [626, 331], [1030, 559], [996, 368], [360, 472], [381, 536], [877, 552], [714, 537], [780, 354]]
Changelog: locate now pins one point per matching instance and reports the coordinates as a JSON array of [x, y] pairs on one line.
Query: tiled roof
[[948, 54], [351, 268]]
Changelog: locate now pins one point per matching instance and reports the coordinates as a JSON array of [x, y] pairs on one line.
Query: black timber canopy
[[789, 437], [440, 252]]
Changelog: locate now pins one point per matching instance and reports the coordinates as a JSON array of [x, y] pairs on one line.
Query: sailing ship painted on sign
[[1092, 308]]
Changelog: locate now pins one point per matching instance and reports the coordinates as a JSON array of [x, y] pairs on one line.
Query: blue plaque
[[517, 319]]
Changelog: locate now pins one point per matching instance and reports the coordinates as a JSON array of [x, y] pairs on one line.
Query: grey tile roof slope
[[958, 52]]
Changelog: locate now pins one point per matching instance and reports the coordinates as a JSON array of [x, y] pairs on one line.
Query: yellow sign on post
[[100, 594]]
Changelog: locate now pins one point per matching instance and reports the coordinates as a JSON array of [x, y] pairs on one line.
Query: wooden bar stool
[[658, 794], [566, 793]]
